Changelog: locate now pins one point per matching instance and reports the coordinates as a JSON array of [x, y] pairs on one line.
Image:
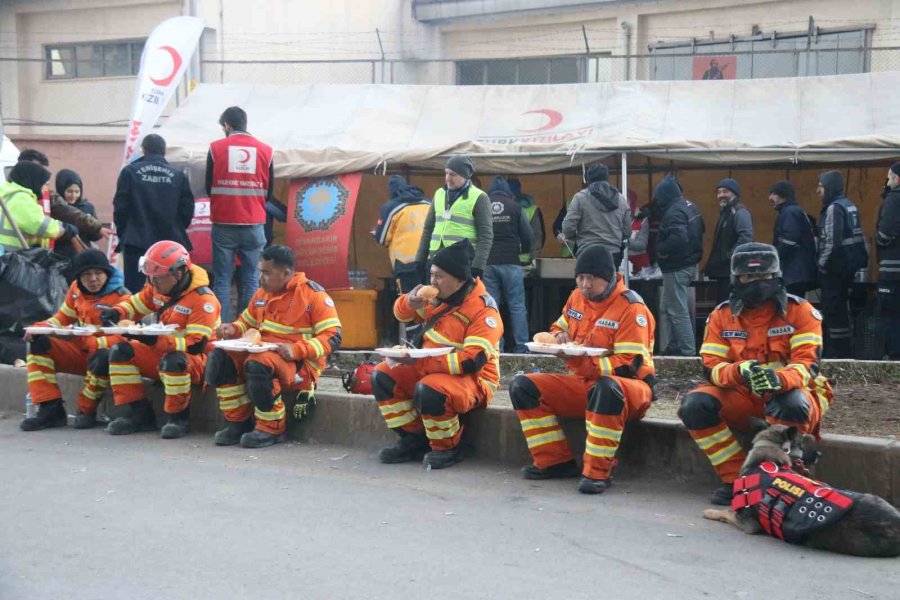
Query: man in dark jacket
[[679, 248], [841, 253], [794, 240], [535, 219], [598, 214], [888, 246], [504, 277], [153, 202], [735, 227]]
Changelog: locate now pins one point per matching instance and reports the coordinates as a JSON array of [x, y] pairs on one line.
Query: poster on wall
[[710, 68], [319, 225]]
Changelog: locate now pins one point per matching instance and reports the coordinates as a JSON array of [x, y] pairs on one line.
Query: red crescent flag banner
[[319, 224]]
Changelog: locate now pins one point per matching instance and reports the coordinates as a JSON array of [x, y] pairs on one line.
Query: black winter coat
[[796, 245], [679, 243], [888, 239]]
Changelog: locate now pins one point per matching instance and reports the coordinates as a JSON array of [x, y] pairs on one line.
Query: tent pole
[[624, 265]]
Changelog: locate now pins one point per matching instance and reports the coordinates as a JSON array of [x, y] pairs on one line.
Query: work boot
[[139, 416], [441, 459], [177, 425], [50, 414], [410, 447], [593, 486], [232, 432], [557, 471], [85, 420], [722, 495], [259, 439]]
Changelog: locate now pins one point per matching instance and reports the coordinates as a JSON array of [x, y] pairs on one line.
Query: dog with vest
[[774, 494]]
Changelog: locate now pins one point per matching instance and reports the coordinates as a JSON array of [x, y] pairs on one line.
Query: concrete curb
[[652, 446]]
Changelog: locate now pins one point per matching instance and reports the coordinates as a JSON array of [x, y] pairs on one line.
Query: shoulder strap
[[430, 323]]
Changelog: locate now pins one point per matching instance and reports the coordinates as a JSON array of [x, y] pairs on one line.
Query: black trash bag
[[32, 287]]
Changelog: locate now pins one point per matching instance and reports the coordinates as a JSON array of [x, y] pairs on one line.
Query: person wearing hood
[[761, 355], [504, 277], [607, 390], [179, 295], [842, 252], [70, 188], [399, 229], [735, 227], [97, 286], [460, 211], [888, 247], [20, 195], [535, 219], [679, 248], [421, 398], [794, 239], [598, 214]]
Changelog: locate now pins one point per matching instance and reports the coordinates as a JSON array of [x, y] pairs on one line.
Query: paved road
[[87, 516]]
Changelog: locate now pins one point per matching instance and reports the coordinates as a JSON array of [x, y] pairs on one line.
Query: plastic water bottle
[[30, 407]]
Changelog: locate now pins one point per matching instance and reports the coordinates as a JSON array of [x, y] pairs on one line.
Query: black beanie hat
[[65, 178], [597, 172], [461, 164], [30, 175], [895, 168], [456, 259], [730, 184], [595, 260], [90, 259], [785, 189]]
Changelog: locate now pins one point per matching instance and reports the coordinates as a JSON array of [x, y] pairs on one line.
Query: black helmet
[[754, 258]]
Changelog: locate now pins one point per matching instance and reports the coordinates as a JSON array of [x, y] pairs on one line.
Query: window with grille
[[93, 59], [524, 71]]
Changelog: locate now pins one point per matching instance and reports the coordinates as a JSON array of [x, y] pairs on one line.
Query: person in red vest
[[240, 178]]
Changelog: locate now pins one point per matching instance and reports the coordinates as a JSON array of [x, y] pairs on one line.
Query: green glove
[[304, 406], [746, 370], [764, 380]]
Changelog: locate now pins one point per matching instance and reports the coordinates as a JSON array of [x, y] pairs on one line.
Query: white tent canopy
[[327, 129]]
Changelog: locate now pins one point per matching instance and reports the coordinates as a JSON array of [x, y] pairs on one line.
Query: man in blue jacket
[[794, 239]]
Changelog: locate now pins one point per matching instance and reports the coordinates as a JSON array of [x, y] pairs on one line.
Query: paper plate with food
[[80, 330], [251, 342], [132, 328], [546, 343], [401, 351]]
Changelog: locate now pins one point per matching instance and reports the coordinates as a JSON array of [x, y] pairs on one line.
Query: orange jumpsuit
[[791, 342], [430, 394], [606, 391], [177, 360], [72, 354], [303, 314]]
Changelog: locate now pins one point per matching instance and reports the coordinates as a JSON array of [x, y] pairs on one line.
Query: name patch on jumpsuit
[[607, 323], [574, 314], [783, 330], [734, 334]]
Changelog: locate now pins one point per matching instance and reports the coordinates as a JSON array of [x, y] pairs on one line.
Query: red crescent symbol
[[246, 155], [554, 118], [176, 64]]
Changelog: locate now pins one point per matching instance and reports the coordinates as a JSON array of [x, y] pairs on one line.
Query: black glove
[[40, 344], [109, 317], [306, 402], [746, 369], [764, 380], [147, 340], [477, 272], [69, 231]]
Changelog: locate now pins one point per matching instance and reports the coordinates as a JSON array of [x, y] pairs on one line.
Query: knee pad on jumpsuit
[[98, 363], [259, 385], [606, 397], [699, 410], [121, 352], [430, 401], [220, 369], [173, 362], [382, 385], [524, 394], [40, 344], [792, 406]]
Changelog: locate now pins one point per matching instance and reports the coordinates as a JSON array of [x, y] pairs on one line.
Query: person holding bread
[[607, 391], [297, 315], [421, 399]]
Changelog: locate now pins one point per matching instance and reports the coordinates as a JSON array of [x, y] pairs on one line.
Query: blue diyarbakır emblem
[[320, 203]]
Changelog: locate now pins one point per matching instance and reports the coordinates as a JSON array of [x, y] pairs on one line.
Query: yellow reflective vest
[[28, 215], [457, 223]]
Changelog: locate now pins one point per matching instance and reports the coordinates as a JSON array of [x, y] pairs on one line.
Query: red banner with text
[[319, 225]]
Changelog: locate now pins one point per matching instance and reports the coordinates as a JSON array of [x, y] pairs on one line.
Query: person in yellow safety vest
[[399, 229], [20, 195], [535, 219], [460, 211]]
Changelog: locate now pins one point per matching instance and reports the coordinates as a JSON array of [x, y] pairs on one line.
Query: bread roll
[[427, 292], [545, 337], [253, 336]]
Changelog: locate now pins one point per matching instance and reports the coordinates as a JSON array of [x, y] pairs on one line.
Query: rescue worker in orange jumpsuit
[[176, 291], [299, 316], [761, 355], [421, 399], [97, 286], [607, 391]]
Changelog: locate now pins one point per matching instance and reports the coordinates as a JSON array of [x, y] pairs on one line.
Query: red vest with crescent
[[240, 180]]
